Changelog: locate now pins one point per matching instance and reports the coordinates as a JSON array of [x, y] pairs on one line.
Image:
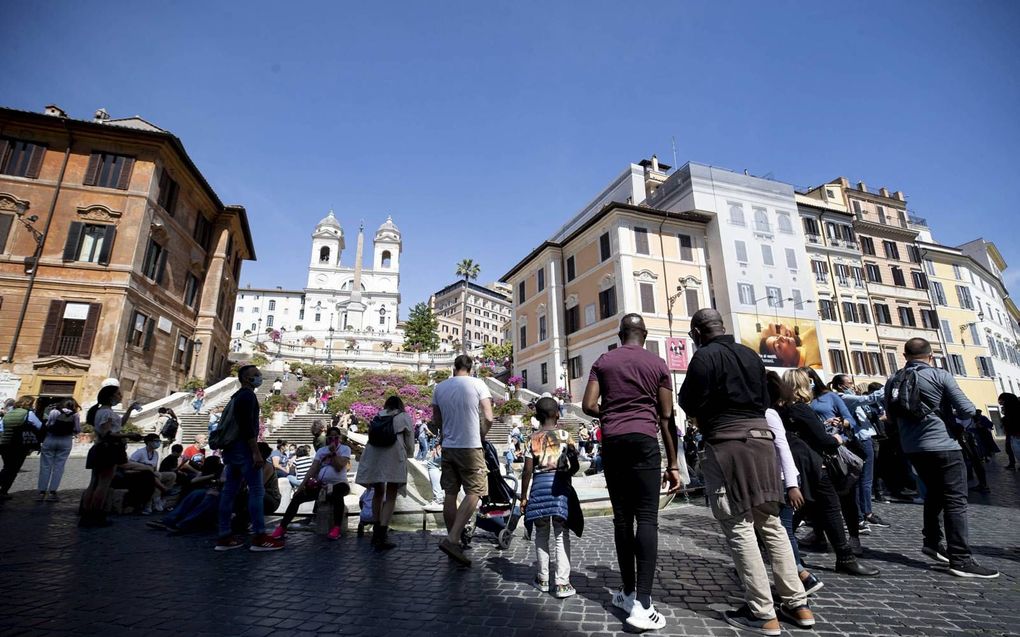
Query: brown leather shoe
[[800, 616]]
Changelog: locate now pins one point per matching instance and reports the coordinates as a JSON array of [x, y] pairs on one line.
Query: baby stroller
[[500, 511]]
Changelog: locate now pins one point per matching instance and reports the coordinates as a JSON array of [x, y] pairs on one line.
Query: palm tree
[[469, 270]]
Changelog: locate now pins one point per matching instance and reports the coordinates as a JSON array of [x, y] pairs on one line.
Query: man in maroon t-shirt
[[630, 392]]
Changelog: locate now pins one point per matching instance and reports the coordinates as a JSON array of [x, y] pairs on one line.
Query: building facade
[[343, 306], [488, 310], [117, 259]]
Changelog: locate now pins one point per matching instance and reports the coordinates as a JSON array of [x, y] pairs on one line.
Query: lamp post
[[19, 211], [198, 348], [684, 284], [279, 343], [965, 326], [258, 334]]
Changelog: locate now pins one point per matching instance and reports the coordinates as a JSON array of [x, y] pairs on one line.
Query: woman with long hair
[[12, 444], [840, 423], [61, 425], [808, 441], [329, 472], [385, 467], [108, 452]]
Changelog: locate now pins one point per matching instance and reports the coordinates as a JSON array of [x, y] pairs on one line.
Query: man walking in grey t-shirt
[[457, 403], [936, 457]]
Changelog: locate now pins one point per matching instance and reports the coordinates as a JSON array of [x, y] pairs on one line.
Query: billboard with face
[[782, 343]]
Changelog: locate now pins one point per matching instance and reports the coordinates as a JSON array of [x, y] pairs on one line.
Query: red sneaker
[[334, 533], [279, 532], [264, 542], [229, 543]]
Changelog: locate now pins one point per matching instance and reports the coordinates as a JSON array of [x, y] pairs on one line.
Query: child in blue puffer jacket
[[548, 502]]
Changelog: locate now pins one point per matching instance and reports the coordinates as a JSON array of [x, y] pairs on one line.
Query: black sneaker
[[937, 553], [744, 619], [812, 584], [970, 568], [876, 521]]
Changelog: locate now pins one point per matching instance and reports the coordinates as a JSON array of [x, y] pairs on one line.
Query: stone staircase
[[297, 430], [501, 428]]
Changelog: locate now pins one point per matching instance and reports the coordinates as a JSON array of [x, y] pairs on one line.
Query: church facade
[[347, 306]]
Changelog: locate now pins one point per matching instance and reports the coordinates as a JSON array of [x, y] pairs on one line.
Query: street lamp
[[20, 209], [684, 284], [258, 334], [279, 343]]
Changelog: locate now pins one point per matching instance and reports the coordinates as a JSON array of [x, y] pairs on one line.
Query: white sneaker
[[643, 618], [624, 602]]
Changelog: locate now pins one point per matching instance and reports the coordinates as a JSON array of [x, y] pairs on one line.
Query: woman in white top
[[109, 451], [384, 466], [329, 472]]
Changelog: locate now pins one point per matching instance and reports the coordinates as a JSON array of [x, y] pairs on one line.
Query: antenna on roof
[[675, 162]]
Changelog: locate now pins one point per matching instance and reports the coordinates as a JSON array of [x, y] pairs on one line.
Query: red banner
[[677, 354]]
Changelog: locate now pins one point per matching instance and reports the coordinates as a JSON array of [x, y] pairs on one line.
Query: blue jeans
[[786, 517], [52, 458], [864, 485], [195, 512], [240, 468]]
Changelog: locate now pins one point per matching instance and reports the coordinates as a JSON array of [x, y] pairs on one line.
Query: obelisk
[[355, 307]]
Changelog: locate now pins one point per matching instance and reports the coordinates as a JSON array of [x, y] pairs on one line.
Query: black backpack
[[169, 430], [380, 431], [63, 425], [904, 396]]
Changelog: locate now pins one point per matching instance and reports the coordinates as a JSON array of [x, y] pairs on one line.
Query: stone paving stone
[[56, 579]]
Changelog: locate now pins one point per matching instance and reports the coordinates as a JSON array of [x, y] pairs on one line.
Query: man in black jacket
[[725, 392]]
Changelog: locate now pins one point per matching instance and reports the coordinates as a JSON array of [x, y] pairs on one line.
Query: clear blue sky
[[482, 126]]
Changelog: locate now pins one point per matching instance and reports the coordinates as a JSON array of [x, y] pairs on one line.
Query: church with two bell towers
[[345, 301]]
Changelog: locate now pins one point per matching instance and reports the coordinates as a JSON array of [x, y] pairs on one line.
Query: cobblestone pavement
[[130, 580]]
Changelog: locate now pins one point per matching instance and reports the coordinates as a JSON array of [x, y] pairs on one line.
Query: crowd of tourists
[[772, 452]]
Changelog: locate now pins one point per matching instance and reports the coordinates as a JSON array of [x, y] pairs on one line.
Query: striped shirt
[[301, 466]]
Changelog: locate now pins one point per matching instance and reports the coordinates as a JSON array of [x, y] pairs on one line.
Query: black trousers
[[826, 514], [13, 457], [633, 467], [337, 495], [945, 478]]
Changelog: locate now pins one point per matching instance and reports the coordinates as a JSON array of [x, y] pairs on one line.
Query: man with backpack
[[168, 426], [921, 398], [237, 437]]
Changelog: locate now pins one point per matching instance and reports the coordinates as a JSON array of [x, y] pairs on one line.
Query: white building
[[761, 279], [344, 305], [996, 327]]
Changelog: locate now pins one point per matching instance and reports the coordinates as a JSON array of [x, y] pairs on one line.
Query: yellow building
[[571, 291]]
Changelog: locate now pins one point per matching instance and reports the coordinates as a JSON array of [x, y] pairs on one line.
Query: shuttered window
[[686, 248], [5, 230], [693, 305], [168, 189], [19, 158], [70, 329], [647, 298], [641, 241], [154, 265], [109, 171], [607, 303], [605, 250], [570, 269], [89, 242], [141, 332]]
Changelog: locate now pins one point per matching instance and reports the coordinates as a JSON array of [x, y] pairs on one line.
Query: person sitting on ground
[[196, 447], [173, 459], [328, 472], [163, 481], [198, 510], [278, 459], [107, 453], [384, 462], [547, 502], [302, 463]]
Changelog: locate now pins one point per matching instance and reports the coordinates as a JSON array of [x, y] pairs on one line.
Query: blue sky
[[482, 126]]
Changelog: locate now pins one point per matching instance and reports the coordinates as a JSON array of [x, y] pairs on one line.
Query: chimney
[[899, 195], [54, 111], [101, 116], [883, 191], [655, 163], [862, 186]]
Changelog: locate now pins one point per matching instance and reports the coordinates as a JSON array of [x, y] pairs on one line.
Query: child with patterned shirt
[[549, 451]]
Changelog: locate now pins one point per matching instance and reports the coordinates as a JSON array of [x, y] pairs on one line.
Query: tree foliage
[[468, 270], [421, 331]]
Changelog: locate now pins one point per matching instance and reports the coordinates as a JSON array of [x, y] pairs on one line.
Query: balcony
[[813, 238], [68, 345]]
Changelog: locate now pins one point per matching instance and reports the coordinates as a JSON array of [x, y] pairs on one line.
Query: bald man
[[726, 393], [630, 392]]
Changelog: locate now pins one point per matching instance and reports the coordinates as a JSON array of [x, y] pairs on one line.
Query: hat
[[110, 382]]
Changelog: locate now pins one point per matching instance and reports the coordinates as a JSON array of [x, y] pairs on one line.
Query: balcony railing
[[68, 345]]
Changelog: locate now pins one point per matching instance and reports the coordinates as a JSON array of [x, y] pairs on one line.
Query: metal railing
[[68, 345]]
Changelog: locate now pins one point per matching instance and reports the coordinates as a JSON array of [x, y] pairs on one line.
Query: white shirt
[[107, 422], [457, 399], [327, 472], [141, 456], [787, 467]]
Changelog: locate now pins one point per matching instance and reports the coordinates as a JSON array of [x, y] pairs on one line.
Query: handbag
[[844, 468], [30, 438]]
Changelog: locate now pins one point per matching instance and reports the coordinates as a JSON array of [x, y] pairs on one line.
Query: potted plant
[[514, 383]]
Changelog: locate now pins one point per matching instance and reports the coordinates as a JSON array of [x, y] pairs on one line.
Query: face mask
[[256, 382]]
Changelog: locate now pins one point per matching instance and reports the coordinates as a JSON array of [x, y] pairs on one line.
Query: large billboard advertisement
[[783, 342]]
